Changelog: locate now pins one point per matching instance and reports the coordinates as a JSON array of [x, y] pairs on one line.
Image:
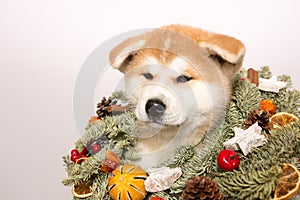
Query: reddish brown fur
[[227, 43], [163, 57]]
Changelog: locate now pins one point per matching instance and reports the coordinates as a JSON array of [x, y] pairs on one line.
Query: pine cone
[[202, 187], [104, 108], [260, 116]]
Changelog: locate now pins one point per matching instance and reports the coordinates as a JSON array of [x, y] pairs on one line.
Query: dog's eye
[[183, 79], [148, 76]]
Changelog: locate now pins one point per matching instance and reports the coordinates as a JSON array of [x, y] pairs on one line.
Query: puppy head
[[162, 87], [177, 73]]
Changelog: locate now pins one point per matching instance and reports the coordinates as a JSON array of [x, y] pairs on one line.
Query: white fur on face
[[192, 107], [184, 101]]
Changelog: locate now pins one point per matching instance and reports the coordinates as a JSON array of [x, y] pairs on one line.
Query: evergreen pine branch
[[270, 95], [233, 119], [79, 145], [88, 198], [118, 128], [260, 176], [265, 72], [257, 171], [242, 73], [100, 189], [287, 79], [85, 170], [204, 162], [195, 166], [290, 101], [249, 185], [114, 127], [182, 156], [198, 164], [281, 147], [246, 96], [119, 95], [286, 100], [130, 155], [68, 164]]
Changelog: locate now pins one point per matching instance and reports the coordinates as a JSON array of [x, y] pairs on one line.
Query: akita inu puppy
[[179, 80]]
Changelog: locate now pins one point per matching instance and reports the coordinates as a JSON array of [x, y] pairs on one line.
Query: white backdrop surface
[[43, 45]]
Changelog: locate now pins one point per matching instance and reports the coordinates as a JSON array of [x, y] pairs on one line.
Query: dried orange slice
[[281, 119], [82, 190], [268, 106], [127, 183], [288, 184], [93, 119]]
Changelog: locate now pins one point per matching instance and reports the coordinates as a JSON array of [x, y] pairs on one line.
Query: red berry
[[96, 148], [156, 198], [83, 152], [74, 152], [228, 160], [74, 158]]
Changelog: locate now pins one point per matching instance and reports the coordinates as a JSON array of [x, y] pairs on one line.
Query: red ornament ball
[[228, 160], [96, 148]]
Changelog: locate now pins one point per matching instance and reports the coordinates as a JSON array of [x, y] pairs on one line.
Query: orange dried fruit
[[282, 119], [268, 106], [93, 119], [288, 184], [83, 189], [127, 183]]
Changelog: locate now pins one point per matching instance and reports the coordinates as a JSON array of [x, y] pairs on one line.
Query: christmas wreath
[[253, 155]]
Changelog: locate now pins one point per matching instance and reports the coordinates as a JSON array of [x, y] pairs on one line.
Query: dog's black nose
[[155, 108]]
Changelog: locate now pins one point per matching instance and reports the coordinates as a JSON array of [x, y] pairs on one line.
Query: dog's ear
[[226, 51], [122, 54]]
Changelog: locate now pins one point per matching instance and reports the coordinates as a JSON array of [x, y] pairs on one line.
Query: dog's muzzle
[[155, 109]]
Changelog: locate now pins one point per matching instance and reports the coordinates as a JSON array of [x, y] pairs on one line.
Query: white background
[[43, 45]]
